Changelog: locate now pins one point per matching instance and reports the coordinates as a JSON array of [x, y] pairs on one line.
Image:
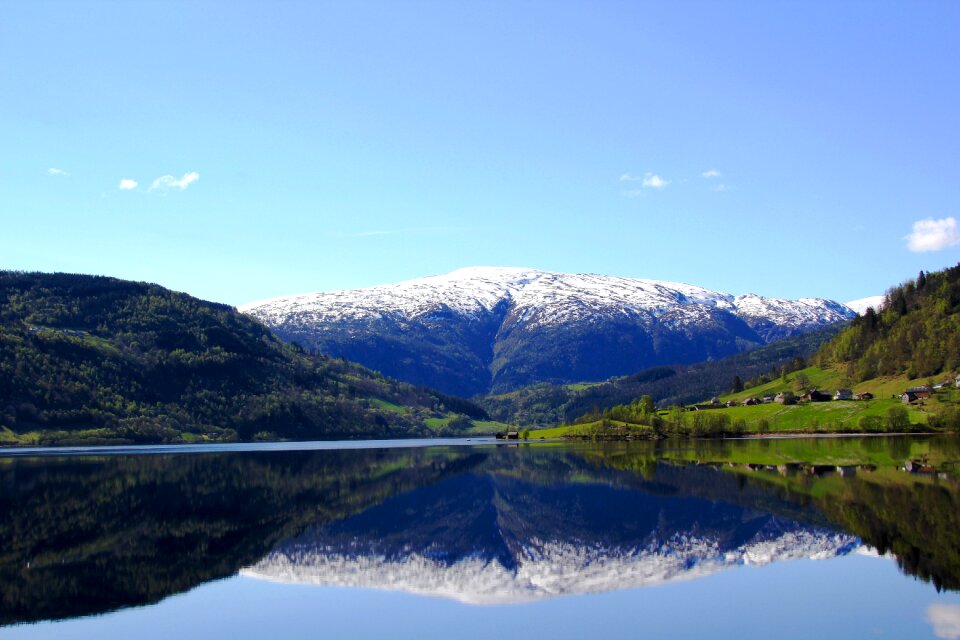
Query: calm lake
[[773, 538]]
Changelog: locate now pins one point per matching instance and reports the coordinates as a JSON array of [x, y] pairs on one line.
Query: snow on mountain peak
[[474, 290], [478, 328], [862, 304]]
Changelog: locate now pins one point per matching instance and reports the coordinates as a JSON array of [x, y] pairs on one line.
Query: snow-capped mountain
[[492, 328], [862, 304]]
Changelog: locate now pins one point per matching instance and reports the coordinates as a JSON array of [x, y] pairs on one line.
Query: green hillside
[[87, 359], [916, 333], [912, 341]]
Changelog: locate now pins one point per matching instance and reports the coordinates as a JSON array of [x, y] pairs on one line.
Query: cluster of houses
[[914, 394], [814, 395]]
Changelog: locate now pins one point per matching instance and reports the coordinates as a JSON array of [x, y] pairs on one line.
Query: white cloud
[[720, 187], [127, 184], [711, 173], [53, 171], [648, 181], [933, 235], [170, 182], [945, 619], [654, 181]]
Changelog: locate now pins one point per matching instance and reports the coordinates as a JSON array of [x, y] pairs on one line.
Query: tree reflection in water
[[484, 524]]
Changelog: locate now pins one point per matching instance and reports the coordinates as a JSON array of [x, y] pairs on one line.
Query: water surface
[[687, 538]]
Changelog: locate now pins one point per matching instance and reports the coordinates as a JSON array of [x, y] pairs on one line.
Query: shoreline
[[397, 443], [244, 447]]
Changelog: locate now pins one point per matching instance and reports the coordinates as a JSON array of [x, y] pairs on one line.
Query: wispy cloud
[[711, 173], [127, 184], [53, 171], [720, 187], [647, 181], [933, 235], [165, 183]]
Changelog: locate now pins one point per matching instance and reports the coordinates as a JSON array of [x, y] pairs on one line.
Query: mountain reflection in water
[[489, 539], [478, 524]]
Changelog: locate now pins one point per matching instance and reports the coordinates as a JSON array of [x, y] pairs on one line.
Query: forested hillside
[[547, 404], [916, 332], [96, 359]]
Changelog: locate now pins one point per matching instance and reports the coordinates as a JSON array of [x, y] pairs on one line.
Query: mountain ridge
[[482, 329]]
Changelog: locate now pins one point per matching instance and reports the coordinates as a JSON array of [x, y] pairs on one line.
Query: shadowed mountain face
[[490, 329], [482, 524]]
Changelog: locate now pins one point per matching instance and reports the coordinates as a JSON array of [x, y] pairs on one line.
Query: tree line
[[916, 332]]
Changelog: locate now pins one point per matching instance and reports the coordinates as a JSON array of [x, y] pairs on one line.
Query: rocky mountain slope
[[485, 329]]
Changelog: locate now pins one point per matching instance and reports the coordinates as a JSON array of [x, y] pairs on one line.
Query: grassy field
[[841, 416], [837, 415], [581, 386], [441, 427], [594, 429], [388, 406], [830, 380]]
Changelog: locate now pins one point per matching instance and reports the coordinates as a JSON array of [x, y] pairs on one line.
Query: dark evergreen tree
[[737, 384]]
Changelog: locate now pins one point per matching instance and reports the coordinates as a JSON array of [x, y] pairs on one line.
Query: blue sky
[[781, 148]]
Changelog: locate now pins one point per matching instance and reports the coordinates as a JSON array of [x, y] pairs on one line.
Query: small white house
[[957, 382], [843, 394]]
